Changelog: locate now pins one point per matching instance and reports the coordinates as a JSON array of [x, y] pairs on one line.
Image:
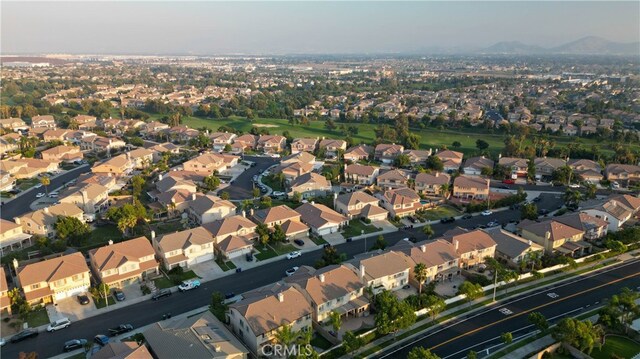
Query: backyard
[[356, 228], [620, 346]]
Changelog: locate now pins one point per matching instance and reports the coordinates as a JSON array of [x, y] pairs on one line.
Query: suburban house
[[618, 172], [54, 279], [616, 210], [62, 154], [85, 122], [117, 166], [511, 248], [593, 227], [517, 166], [285, 217], [46, 121], [431, 183], [304, 145], [220, 140], [387, 153], [554, 236], [417, 156], [401, 202], [42, 221], [439, 258], [54, 135], [141, 158], [451, 160], [90, 197], [358, 153], [124, 263], [13, 124], [8, 144], [293, 170], [233, 236], [198, 336], [472, 246], [99, 143], [321, 219], [122, 350], [361, 174], [28, 167], [257, 318], [168, 183], [383, 271], [244, 142], [5, 301], [589, 170], [299, 157], [271, 143], [153, 127], [333, 288], [11, 234], [473, 166], [7, 182], [162, 148], [360, 205], [208, 163], [546, 165], [175, 201], [207, 208], [184, 248], [310, 185], [332, 147], [467, 187], [393, 179]]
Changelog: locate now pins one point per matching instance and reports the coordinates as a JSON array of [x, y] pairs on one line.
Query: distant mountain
[[590, 45]]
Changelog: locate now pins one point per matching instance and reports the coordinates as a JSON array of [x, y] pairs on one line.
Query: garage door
[[70, 293]]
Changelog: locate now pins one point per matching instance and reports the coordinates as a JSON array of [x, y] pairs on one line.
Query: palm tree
[[444, 190], [420, 274], [428, 231], [45, 181]]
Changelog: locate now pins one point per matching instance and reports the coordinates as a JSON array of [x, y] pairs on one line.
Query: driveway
[[208, 270], [334, 238], [72, 309], [308, 244], [242, 187]]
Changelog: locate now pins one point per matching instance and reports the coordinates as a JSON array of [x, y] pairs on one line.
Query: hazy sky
[[303, 27]]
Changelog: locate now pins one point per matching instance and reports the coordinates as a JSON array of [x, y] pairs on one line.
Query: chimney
[[244, 214], [280, 297], [15, 264], [547, 235], [321, 277], [251, 212], [193, 196], [110, 242], [423, 248], [153, 234], [456, 244], [530, 242], [335, 200], [46, 209], [362, 271]]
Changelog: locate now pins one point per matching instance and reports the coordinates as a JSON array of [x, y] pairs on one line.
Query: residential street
[[242, 187]]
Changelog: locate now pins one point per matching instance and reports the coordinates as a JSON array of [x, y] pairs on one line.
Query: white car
[[40, 195], [615, 184], [188, 285], [487, 213], [39, 185], [291, 271], [294, 254], [493, 224], [53, 195], [59, 324], [574, 185]]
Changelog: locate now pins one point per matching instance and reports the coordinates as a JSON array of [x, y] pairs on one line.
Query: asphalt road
[[141, 314], [242, 186], [483, 330], [20, 205]]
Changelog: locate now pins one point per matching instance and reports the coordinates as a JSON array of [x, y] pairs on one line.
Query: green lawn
[[164, 282], [356, 227], [101, 304], [441, 212], [271, 182], [318, 240], [319, 341], [167, 227], [27, 183], [287, 202], [273, 250], [225, 266], [37, 318], [620, 346]]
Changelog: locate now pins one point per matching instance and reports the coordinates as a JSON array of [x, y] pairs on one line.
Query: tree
[[471, 291], [580, 334], [434, 163], [531, 170], [211, 182], [336, 321], [572, 198], [265, 201], [380, 243], [263, 233], [428, 231], [482, 145], [562, 174], [402, 161], [297, 197], [137, 184], [351, 342], [507, 337], [421, 353], [256, 192], [218, 306], [472, 355], [529, 211], [539, 320], [71, 229], [225, 196], [392, 314], [620, 311], [591, 190], [278, 235], [615, 246], [420, 274], [435, 305], [285, 335], [45, 181], [456, 144], [330, 256]]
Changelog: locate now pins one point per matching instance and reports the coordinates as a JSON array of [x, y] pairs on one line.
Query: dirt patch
[[264, 125]]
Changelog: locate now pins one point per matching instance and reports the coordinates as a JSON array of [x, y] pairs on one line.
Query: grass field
[[356, 227], [620, 346], [441, 212], [37, 318], [273, 250]]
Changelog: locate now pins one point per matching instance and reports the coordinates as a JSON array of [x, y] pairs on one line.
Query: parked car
[[101, 340], [59, 324], [74, 344], [543, 212], [120, 329], [119, 295], [294, 254], [615, 185], [447, 220], [503, 187], [467, 216], [188, 285], [229, 295], [278, 193], [83, 299], [291, 271], [508, 181], [493, 224], [249, 257], [537, 199], [24, 335], [487, 213], [299, 242], [161, 294]]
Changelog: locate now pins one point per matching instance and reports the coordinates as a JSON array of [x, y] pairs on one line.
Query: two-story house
[[5, 301], [451, 160], [62, 154], [118, 166], [468, 187], [358, 153], [208, 163], [361, 174], [321, 219], [473, 166], [554, 236], [310, 185], [13, 124], [401, 202], [92, 198], [516, 166], [304, 145], [393, 179], [184, 248], [546, 165], [432, 184], [439, 257], [417, 156], [387, 153], [219, 140], [11, 234], [588, 170], [233, 236], [383, 271], [271, 143], [207, 208], [622, 173], [472, 246], [243, 143], [124, 263], [593, 227], [513, 249], [45, 121], [42, 221], [360, 205], [331, 147], [141, 158], [285, 217]]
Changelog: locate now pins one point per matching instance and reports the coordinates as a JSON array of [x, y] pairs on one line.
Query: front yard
[[273, 250], [356, 228], [27, 183], [100, 303], [620, 346], [174, 279], [37, 318], [440, 212], [225, 266], [272, 182]]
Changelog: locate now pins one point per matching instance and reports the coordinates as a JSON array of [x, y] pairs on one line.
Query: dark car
[[161, 294], [25, 334], [83, 299], [122, 328], [467, 216], [229, 295], [299, 242], [119, 295], [101, 340], [74, 344], [543, 212], [249, 257], [503, 187], [537, 199], [447, 220]]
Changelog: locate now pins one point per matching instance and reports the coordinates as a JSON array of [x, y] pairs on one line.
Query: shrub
[[145, 290]]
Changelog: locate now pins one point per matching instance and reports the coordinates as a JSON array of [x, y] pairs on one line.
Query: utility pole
[[106, 299], [365, 240], [495, 284]]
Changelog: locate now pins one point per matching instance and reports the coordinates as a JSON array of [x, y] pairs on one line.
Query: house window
[[35, 286]]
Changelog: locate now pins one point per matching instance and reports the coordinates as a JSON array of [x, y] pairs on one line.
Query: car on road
[[161, 294], [24, 335], [543, 212], [229, 295], [59, 324], [503, 187], [492, 224], [120, 329], [467, 216], [83, 299], [299, 242], [294, 254], [101, 340], [291, 271], [74, 344], [574, 185], [479, 226], [447, 220], [188, 285], [263, 190], [119, 295], [487, 212], [40, 195], [537, 199], [508, 181]]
